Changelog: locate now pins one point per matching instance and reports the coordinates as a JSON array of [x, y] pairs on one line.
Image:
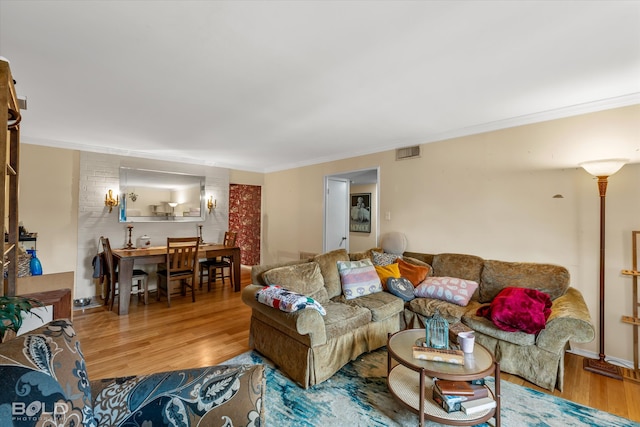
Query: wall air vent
[[408, 152]]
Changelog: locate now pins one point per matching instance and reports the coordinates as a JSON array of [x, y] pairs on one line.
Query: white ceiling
[[270, 85]]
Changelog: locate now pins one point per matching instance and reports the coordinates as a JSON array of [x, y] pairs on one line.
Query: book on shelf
[[448, 402], [462, 388], [454, 387], [438, 355], [453, 402], [472, 407]]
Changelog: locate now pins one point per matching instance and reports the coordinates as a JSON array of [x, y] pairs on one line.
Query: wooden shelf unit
[[9, 161], [634, 319]]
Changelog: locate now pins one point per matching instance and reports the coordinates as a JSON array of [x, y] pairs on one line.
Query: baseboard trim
[[593, 355]]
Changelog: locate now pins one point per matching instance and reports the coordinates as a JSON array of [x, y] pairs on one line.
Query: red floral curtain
[[244, 218]]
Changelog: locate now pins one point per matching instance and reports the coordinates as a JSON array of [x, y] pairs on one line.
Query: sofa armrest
[[303, 322], [569, 321]]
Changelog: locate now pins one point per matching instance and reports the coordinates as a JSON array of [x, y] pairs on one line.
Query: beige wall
[[245, 178], [492, 195], [489, 194], [49, 204]]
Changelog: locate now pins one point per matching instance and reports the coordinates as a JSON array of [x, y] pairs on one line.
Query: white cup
[[467, 341]]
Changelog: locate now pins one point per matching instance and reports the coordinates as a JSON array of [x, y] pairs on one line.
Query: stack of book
[[470, 397]]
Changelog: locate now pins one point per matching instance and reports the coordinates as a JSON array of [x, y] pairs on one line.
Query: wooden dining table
[[127, 258]]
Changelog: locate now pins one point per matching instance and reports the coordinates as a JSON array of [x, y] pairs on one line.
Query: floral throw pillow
[[383, 258], [450, 289], [358, 278], [285, 300]]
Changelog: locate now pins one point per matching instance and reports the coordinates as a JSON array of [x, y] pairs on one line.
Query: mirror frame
[[158, 177]]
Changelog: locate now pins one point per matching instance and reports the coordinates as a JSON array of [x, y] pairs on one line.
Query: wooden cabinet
[[9, 161]]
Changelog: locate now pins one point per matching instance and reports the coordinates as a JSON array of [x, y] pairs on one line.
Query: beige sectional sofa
[[305, 345], [310, 347], [538, 358]]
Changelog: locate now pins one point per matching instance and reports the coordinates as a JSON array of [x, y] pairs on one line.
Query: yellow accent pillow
[[386, 271]]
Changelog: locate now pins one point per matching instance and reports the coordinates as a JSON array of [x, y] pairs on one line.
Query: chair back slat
[[230, 238], [182, 254]]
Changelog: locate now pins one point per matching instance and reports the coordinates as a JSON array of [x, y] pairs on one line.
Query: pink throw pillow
[[450, 289]]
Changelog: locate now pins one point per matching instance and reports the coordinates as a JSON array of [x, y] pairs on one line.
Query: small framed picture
[[360, 214]]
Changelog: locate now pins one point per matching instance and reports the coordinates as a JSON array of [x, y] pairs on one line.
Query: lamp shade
[[605, 167]]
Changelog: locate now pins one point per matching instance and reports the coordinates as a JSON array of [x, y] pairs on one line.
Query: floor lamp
[[602, 169]]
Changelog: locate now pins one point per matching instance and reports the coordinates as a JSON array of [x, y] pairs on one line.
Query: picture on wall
[[360, 215]]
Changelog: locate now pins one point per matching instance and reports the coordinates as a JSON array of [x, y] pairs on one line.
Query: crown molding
[[559, 113]]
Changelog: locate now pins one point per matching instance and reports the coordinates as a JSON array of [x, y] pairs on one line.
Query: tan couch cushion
[[329, 268], [456, 265], [305, 279], [257, 271], [497, 275], [426, 307], [342, 319], [486, 327], [368, 254], [381, 304]]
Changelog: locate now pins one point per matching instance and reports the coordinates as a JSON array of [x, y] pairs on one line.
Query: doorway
[[338, 191], [245, 214]]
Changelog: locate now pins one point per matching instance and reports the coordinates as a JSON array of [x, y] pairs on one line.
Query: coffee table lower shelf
[[404, 384]]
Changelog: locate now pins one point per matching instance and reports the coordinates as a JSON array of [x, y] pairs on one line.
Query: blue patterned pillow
[[286, 300], [401, 287]]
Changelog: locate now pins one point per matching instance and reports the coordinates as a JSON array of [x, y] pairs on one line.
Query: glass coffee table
[[411, 380]]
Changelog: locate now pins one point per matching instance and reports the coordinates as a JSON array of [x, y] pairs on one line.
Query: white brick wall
[[98, 174]]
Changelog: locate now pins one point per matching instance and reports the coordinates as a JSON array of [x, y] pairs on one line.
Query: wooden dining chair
[[213, 265], [180, 264], [139, 278]]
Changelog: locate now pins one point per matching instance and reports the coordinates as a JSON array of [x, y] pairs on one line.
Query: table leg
[[125, 273], [497, 377], [236, 270], [421, 397]]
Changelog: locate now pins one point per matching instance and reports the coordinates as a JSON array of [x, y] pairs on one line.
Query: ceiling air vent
[[408, 152]]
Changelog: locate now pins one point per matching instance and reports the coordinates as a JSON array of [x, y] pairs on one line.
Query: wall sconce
[[211, 204], [110, 201]]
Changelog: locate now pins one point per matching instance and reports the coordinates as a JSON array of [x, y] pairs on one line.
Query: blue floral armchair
[[45, 383]]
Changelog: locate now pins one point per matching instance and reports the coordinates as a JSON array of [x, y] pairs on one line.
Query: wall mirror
[[152, 196]]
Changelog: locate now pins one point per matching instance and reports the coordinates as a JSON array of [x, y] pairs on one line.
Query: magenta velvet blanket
[[518, 309]]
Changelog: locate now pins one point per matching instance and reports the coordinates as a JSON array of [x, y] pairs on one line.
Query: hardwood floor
[[215, 328]]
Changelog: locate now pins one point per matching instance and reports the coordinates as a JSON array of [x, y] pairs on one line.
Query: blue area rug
[[358, 396]]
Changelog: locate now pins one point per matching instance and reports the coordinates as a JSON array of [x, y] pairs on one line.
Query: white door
[[336, 214]]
